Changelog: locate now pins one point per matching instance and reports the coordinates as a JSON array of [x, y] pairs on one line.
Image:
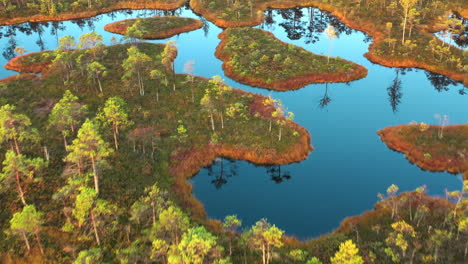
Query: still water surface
[[349, 165]]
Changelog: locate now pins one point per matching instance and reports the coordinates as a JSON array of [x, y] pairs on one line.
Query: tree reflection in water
[[325, 100], [309, 29], [394, 92], [461, 39], [442, 83], [221, 170], [276, 174]]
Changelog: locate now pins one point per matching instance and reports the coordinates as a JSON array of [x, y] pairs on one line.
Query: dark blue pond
[[349, 165]]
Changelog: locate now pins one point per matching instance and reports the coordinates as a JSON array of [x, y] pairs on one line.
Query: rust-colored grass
[[427, 150], [293, 83], [17, 64], [18, 76], [361, 24], [91, 13], [382, 210], [187, 164], [258, 9], [120, 27]]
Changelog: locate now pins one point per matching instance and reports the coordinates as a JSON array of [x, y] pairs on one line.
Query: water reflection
[[461, 31], [276, 174], [442, 83], [224, 169], [58, 28], [221, 170], [455, 32], [347, 156], [292, 24], [394, 92], [308, 27], [325, 100], [9, 52]]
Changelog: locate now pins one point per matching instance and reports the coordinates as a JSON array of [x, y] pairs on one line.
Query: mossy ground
[[257, 58], [372, 18], [32, 11], [137, 164], [156, 27], [437, 148]]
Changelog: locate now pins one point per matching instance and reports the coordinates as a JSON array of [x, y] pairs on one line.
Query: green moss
[[382, 20], [137, 164], [154, 27], [66, 9], [270, 60]]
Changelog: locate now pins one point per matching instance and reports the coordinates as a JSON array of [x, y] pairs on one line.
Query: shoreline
[[414, 155], [118, 28], [15, 64], [90, 13], [193, 161], [377, 37], [294, 83]]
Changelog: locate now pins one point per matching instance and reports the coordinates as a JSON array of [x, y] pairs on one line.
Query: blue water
[[349, 165]]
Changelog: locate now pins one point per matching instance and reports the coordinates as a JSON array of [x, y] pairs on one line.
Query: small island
[[255, 57], [34, 62], [228, 14], [31, 11], [154, 27], [402, 35], [173, 125], [431, 147]]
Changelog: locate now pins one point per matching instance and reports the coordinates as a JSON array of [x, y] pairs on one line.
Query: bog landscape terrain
[[234, 131]]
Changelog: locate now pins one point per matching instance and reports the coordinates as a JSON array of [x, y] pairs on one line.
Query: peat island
[[255, 57], [154, 27]]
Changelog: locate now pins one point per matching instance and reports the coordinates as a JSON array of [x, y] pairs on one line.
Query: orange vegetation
[[378, 38], [382, 210], [186, 164], [199, 7], [16, 64], [18, 76], [431, 153], [91, 13], [297, 82], [120, 27], [362, 25]]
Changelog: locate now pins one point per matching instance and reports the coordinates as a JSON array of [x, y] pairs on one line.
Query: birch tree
[[331, 34], [407, 5]]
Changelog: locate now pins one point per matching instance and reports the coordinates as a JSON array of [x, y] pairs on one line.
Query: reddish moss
[[427, 150], [376, 31], [382, 210], [18, 76], [154, 31], [293, 82], [199, 6], [91, 13], [185, 165], [19, 63]]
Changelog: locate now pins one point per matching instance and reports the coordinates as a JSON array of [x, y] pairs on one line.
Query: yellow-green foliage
[[259, 55]]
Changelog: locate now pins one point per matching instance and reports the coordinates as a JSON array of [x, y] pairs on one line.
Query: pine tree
[[115, 114], [66, 115], [27, 222], [89, 145]]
